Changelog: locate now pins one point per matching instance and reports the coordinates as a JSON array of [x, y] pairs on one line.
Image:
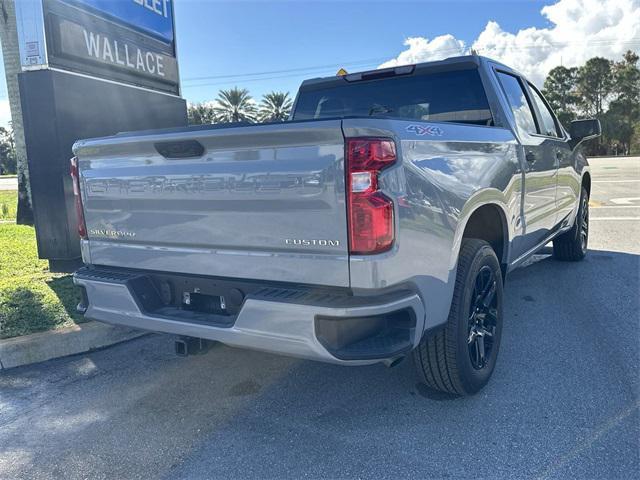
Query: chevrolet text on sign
[[151, 16]]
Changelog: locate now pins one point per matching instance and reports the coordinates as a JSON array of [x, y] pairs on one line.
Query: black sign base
[[59, 108]]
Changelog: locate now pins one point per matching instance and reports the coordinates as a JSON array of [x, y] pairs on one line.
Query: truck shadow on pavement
[[563, 400]]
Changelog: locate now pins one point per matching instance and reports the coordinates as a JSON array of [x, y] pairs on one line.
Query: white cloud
[[423, 50], [579, 30], [5, 113]]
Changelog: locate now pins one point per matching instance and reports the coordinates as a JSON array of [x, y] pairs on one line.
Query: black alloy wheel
[[584, 224], [572, 245], [483, 317]]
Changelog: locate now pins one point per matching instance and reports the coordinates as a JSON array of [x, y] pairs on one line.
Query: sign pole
[[12, 66]]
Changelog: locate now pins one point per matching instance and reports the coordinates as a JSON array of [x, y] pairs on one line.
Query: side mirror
[[582, 130]]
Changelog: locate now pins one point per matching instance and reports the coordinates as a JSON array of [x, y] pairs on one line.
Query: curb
[[42, 346]]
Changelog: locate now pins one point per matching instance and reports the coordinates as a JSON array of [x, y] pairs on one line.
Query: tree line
[[8, 160], [237, 105], [604, 89], [600, 88]]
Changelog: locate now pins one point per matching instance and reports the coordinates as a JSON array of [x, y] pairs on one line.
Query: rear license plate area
[[203, 303]]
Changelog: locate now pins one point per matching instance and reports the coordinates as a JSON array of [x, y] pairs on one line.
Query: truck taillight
[[75, 177], [371, 227]]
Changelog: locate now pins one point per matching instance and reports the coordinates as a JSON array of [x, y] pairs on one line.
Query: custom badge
[[423, 130]]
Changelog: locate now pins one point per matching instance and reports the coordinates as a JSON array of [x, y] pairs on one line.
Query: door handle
[[530, 157]]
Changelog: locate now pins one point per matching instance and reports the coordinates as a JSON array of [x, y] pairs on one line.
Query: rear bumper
[[337, 329]]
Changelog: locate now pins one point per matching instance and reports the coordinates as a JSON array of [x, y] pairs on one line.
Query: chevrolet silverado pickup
[[380, 221]]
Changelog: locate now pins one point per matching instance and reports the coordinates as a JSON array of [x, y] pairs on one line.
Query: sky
[[274, 45]]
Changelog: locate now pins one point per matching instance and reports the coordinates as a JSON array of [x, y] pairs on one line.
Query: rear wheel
[[460, 358], [572, 245]]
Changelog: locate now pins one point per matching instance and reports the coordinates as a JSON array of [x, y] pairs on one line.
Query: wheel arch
[[488, 222]]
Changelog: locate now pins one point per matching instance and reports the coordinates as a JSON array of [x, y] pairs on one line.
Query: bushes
[[8, 163]]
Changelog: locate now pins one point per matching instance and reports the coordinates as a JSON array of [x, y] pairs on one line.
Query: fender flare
[[494, 199]]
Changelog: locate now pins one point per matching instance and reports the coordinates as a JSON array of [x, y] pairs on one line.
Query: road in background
[[563, 402], [615, 204], [8, 183]]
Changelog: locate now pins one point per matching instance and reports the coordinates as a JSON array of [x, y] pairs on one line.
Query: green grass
[[8, 204], [32, 299]]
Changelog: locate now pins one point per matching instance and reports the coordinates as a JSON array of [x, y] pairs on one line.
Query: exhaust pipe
[[392, 362], [185, 346]]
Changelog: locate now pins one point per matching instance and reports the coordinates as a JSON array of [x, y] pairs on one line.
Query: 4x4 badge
[[425, 130]]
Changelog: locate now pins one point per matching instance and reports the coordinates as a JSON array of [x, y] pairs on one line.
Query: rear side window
[[548, 126], [455, 96], [518, 102]]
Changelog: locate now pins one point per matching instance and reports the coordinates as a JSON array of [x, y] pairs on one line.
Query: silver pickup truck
[[380, 221]]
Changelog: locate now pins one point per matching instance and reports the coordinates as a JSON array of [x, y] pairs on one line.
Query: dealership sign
[[128, 41]]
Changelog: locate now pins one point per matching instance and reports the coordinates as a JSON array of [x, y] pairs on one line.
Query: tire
[[572, 246], [448, 360]]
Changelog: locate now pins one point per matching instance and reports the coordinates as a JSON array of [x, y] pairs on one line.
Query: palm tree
[[234, 105], [275, 107]]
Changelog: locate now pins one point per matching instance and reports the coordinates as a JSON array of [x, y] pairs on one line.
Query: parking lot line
[[616, 181], [593, 207]]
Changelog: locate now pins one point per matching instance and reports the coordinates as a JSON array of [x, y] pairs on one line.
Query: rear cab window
[[452, 96]]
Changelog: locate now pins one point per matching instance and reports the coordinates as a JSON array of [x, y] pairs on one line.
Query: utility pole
[[12, 66]]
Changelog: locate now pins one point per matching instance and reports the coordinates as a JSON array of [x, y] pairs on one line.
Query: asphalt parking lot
[[564, 400]]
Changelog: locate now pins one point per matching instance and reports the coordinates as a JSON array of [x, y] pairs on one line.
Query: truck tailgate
[[260, 202]]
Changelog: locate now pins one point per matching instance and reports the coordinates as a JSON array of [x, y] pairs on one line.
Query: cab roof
[[453, 63]]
